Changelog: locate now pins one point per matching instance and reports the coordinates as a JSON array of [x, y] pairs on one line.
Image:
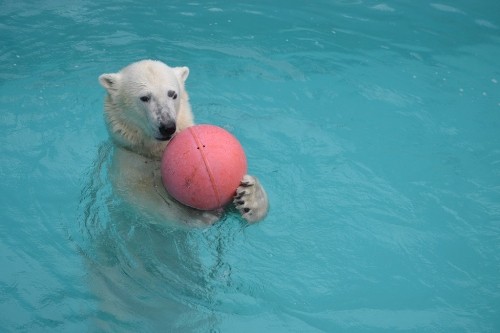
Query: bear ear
[[182, 73], [109, 82]]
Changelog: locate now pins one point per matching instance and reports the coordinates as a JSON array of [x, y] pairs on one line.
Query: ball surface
[[202, 166]]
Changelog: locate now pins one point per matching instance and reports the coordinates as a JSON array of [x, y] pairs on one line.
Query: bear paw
[[251, 199]]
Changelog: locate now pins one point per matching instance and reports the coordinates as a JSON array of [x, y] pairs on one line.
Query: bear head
[[146, 97]]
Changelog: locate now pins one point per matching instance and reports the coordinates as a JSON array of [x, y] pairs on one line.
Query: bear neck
[[129, 136]]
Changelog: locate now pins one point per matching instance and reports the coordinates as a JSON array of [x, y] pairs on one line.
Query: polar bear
[[145, 105]]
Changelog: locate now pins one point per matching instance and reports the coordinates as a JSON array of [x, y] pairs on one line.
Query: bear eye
[[145, 98], [172, 94]]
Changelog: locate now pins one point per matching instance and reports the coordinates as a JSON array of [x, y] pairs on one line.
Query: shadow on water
[[146, 275]]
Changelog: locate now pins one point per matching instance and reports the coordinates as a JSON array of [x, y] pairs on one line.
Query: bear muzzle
[[166, 131]]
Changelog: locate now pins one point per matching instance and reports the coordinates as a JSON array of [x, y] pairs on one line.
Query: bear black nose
[[167, 130]]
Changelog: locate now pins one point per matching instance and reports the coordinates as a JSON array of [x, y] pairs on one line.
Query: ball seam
[[205, 162]]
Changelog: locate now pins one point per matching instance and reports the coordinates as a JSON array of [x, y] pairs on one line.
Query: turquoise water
[[374, 127]]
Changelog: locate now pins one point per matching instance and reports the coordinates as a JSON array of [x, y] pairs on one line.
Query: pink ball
[[202, 166]]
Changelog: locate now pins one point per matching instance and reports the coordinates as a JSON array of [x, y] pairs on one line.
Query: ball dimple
[[202, 167]]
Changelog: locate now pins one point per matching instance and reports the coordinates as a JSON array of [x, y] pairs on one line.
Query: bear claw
[[251, 199]]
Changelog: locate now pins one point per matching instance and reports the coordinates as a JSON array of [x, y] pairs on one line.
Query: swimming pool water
[[373, 126]]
